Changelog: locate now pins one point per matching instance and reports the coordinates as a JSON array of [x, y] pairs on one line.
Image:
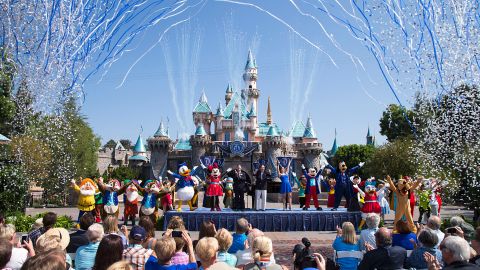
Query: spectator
[[207, 229], [176, 223], [109, 252], [456, 253], [5, 252], [404, 236], [48, 221], [121, 265], [245, 256], [146, 223], [262, 251], [136, 254], [225, 239], [346, 241], [54, 238], [165, 249], [180, 257], [53, 259], [468, 230], [476, 247], [434, 223], [239, 237], [110, 226], [384, 256], [206, 251], [85, 255], [427, 240], [368, 235], [79, 238], [19, 254]]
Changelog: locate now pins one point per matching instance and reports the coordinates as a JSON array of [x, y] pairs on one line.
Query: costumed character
[[110, 192], [403, 202], [285, 187], [382, 194], [343, 187], [331, 192], [301, 185], [166, 195], [371, 204], [86, 199], [436, 199], [130, 202], [262, 177], [184, 186], [214, 189], [99, 212], [424, 195], [358, 195], [313, 188], [149, 206], [228, 198], [241, 184]]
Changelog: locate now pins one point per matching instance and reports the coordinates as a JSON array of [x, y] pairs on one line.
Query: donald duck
[[184, 186]]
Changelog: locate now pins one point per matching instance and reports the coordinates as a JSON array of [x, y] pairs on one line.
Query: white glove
[[361, 164], [100, 180], [72, 181], [229, 169], [303, 167], [169, 172], [294, 174]]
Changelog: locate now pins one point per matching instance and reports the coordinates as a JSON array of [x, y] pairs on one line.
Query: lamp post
[[110, 170]]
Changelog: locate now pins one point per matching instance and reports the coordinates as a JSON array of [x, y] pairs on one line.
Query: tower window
[[250, 87], [227, 136]]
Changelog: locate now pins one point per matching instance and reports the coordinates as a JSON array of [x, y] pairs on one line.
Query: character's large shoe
[[319, 209], [212, 209], [305, 208], [218, 209], [334, 209]]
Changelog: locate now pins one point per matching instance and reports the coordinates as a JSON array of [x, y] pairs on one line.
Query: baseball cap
[[138, 233]]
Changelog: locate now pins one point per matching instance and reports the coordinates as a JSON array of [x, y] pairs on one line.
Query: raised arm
[[331, 168], [392, 185], [417, 183], [319, 173], [124, 188], [101, 185], [141, 189], [174, 174], [75, 186]]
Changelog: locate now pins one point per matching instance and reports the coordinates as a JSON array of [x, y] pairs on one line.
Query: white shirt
[[19, 256], [440, 235], [368, 236]]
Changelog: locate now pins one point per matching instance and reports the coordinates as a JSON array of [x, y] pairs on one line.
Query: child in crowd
[[239, 237]]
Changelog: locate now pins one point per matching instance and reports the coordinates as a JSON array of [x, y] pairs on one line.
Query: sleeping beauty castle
[[232, 134]]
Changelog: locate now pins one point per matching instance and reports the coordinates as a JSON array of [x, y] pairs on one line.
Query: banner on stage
[[283, 161], [262, 162], [220, 162], [256, 166], [207, 160]]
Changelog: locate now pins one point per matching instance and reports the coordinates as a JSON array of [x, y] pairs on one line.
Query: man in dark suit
[[241, 184], [262, 177], [79, 238], [384, 256]]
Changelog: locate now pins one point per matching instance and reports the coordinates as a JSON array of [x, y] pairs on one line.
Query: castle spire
[[309, 131], [250, 61], [334, 146], [161, 131], [203, 97], [269, 113]]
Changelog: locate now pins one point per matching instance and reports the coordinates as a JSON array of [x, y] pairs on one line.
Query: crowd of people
[[106, 246]]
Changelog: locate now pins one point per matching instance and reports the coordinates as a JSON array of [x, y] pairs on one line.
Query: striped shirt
[[137, 256]]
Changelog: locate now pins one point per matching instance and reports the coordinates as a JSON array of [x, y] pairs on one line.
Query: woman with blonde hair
[[346, 241], [121, 265], [262, 251], [225, 240], [110, 226]]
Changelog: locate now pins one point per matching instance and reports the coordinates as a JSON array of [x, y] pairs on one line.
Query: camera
[[304, 257]]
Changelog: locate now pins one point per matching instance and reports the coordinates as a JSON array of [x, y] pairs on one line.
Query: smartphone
[[176, 233], [24, 238]]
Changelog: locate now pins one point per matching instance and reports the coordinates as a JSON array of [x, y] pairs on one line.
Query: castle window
[[227, 136], [245, 135]]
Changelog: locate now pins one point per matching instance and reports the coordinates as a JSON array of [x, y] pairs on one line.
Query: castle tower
[[160, 145], [202, 114], [370, 138], [250, 78], [252, 115], [272, 146], [228, 94], [139, 153], [200, 142], [309, 147]]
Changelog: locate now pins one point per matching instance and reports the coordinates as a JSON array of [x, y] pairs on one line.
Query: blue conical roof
[[250, 61], [368, 132], [334, 147], [229, 89], [200, 131], [139, 146], [161, 131], [309, 131], [220, 109], [272, 131], [202, 105]]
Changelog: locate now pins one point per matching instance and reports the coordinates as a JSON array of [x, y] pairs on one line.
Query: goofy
[[343, 187]]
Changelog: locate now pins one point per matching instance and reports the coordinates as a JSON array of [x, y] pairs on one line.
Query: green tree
[[123, 172], [353, 154], [7, 106], [394, 124], [110, 144], [126, 143], [396, 159]]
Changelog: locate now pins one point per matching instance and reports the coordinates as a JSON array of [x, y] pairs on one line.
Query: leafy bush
[[23, 223]]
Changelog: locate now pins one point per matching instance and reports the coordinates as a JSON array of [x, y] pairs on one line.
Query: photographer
[[304, 258]]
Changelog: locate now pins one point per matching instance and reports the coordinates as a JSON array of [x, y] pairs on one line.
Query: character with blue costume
[[312, 188], [343, 186], [285, 187], [184, 186], [149, 192], [110, 192]]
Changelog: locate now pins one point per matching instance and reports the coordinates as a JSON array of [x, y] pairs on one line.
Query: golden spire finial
[[269, 113]]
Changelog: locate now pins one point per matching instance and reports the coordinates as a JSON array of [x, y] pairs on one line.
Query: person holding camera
[[305, 259], [346, 241]]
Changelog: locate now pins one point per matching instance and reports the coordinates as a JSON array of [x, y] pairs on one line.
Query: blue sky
[[342, 97]]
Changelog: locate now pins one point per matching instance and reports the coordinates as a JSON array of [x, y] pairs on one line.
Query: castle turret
[[202, 114], [160, 145], [139, 153], [200, 142], [309, 147], [272, 146], [250, 78], [228, 94], [370, 138]]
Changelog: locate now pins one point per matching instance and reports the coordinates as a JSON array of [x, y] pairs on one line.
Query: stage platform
[[271, 220]]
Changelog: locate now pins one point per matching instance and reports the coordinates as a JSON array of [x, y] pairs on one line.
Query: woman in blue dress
[[285, 187]]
